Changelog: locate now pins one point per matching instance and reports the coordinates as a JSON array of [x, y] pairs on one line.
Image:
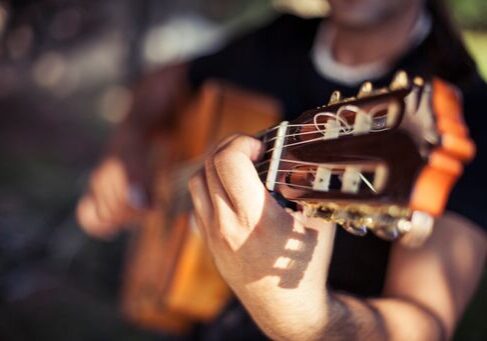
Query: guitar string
[[346, 130], [301, 142], [267, 131], [342, 132], [313, 189], [321, 131], [290, 161], [345, 127], [293, 185], [318, 139], [307, 163], [372, 113], [181, 178], [362, 177], [294, 125], [307, 133], [313, 171]]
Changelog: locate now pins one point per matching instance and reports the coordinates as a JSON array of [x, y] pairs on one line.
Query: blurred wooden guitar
[[170, 280]]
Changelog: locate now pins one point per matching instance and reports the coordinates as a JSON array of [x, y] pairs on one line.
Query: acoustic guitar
[[170, 281], [383, 161]]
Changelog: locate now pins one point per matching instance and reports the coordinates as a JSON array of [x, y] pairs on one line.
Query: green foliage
[[470, 14], [476, 42]]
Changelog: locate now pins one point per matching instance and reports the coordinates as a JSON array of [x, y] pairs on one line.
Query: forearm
[[352, 318], [286, 317], [345, 317]]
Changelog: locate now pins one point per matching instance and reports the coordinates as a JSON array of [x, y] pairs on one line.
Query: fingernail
[[137, 197]]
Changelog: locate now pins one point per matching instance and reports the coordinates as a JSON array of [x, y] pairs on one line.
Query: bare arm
[[277, 263], [426, 289], [439, 278]]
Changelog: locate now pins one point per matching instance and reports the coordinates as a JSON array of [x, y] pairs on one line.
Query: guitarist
[[348, 287]]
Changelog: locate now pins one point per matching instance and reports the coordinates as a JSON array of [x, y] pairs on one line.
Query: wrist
[[300, 313]]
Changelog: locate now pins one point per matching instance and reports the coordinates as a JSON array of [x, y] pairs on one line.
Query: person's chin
[[355, 20]]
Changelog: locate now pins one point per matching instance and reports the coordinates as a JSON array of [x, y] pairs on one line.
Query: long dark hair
[[446, 47]]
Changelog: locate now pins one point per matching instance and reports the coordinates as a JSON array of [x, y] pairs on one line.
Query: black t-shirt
[[276, 60]]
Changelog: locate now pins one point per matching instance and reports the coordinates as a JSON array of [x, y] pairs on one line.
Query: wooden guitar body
[[170, 281]]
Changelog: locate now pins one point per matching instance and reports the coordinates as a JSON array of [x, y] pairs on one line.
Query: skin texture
[[277, 263]]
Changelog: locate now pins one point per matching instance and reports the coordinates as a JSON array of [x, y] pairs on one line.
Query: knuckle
[[244, 139], [237, 141], [234, 137], [227, 140], [247, 145]]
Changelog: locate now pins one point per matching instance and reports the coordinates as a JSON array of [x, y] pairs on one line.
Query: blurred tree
[[471, 14]]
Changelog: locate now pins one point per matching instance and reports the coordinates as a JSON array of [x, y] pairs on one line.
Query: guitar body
[[170, 281]]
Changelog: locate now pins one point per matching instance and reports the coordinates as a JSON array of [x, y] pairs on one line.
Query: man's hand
[[112, 200], [118, 191], [275, 263]]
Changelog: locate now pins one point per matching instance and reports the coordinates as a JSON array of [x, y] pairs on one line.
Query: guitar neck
[[374, 161]]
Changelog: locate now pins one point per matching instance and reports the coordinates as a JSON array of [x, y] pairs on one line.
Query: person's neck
[[381, 43]]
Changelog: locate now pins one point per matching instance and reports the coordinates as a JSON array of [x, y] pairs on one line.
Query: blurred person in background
[[375, 289]]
